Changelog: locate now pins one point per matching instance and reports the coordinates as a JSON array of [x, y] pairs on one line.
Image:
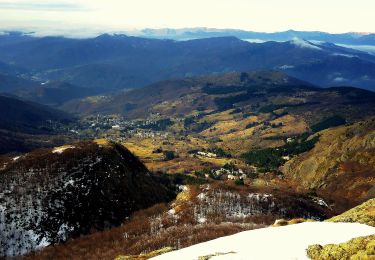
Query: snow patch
[[64, 229], [285, 67], [344, 55], [304, 44], [339, 79], [70, 182], [202, 220], [182, 187], [201, 196], [255, 40], [44, 83], [370, 49], [16, 158], [320, 202], [60, 150], [286, 242]]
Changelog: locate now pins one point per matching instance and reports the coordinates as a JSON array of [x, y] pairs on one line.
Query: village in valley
[[165, 148]]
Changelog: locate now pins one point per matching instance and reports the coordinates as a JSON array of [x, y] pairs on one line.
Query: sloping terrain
[[50, 195], [341, 166], [199, 213], [232, 114], [18, 142], [55, 93], [364, 214], [26, 125], [358, 248], [10, 83], [236, 111], [23, 116], [259, 91], [119, 61], [288, 242]]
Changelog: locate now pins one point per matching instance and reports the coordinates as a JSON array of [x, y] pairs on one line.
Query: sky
[[92, 16]]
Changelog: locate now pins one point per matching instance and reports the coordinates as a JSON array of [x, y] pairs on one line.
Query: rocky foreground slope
[[292, 241], [198, 214], [357, 248], [50, 195], [286, 242]]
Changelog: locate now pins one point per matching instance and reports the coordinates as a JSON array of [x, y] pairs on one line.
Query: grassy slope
[[341, 167]]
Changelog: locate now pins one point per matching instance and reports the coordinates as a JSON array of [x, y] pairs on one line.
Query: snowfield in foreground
[[286, 242]]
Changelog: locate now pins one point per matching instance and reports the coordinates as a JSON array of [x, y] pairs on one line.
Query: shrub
[[252, 175], [160, 125], [327, 123], [239, 182], [269, 159], [252, 124], [169, 155]]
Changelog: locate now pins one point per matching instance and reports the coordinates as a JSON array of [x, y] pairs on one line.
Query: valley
[[103, 157]]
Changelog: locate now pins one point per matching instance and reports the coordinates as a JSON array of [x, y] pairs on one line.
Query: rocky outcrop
[[50, 195], [364, 214], [357, 248]]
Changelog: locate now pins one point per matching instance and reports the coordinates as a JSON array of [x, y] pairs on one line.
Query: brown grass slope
[[189, 91], [341, 166], [251, 91]]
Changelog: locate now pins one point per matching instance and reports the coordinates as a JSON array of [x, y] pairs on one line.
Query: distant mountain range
[[351, 38], [115, 62], [182, 34]]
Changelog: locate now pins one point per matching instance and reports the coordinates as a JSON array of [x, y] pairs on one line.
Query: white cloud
[[40, 6], [344, 55], [286, 67], [258, 15], [254, 40], [339, 79], [366, 48]]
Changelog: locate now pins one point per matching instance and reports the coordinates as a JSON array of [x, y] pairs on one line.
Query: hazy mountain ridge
[[24, 116], [26, 125], [352, 38], [119, 61], [248, 91], [13, 83], [55, 93], [193, 33]]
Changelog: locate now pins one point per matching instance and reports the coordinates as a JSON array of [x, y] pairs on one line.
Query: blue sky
[[85, 16]]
